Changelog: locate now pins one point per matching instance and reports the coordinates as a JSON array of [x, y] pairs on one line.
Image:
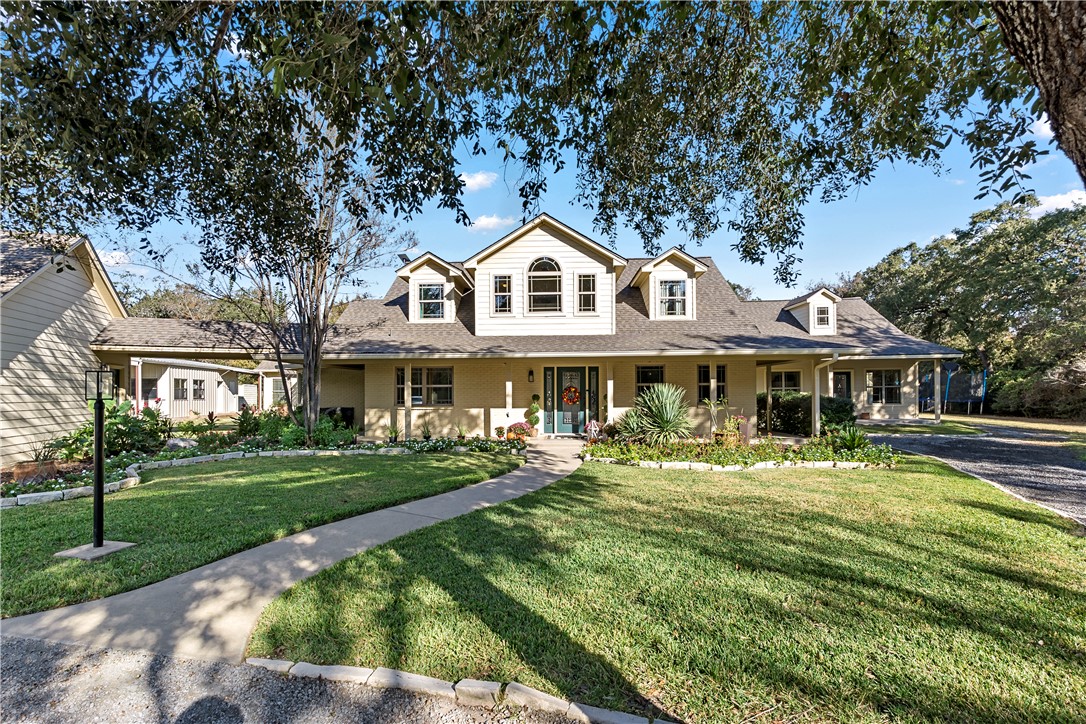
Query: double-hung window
[[180, 389], [822, 316], [197, 389], [544, 286], [673, 298], [884, 386], [704, 386], [785, 382], [503, 294], [649, 375], [429, 386], [586, 293], [431, 301]]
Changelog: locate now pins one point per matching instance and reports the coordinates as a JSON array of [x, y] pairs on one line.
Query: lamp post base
[[89, 553]]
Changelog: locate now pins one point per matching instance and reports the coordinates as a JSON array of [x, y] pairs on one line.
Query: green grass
[[943, 428], [913, 594], [186, 517]]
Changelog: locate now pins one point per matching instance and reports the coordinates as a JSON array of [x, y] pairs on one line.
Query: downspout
[[816, 397]]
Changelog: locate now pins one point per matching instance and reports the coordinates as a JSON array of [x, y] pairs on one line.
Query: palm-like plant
[[660, 416]]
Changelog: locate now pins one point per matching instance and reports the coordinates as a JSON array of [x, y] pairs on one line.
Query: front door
[[842, 385], [570, 400]]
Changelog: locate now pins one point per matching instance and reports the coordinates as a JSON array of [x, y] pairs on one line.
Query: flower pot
[[510, 436], [393, 438], [34, 470], [425, 437]]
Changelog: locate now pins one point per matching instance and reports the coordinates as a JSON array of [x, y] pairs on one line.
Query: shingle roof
[[380, 328], [20, 257]]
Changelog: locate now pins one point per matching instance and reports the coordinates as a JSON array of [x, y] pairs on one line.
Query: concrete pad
[[383, 678], [521, 695], [473, 692], [89, 553], [596, 715]]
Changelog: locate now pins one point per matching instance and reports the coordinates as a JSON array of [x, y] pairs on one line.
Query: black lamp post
[[98, 387]]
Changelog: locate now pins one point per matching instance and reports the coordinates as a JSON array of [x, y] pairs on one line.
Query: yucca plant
[[629, 427], [664, 415], [849, 438]]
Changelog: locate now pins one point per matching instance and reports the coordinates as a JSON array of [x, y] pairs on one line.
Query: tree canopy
[[694, 118], [1009, 289]]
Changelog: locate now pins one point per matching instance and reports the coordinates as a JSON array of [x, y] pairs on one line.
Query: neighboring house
[[52, 306], [184, 388], [548, 311]]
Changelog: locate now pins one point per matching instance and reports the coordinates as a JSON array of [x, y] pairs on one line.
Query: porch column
[[508, 388], [408, 390], [816, 401], [610, 371], [768, 401], [138, 363], [938, 390]]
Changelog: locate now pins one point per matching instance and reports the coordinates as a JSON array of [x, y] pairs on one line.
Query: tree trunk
[[1049, 39]]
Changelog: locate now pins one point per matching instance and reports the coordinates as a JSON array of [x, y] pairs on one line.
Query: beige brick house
[[547, 311]]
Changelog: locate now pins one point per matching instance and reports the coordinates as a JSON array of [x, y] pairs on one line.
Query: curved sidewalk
[[209, 612]]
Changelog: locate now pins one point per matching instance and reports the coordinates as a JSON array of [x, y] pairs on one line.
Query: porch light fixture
[[531, 375]]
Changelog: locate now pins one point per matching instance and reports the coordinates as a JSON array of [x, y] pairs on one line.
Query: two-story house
[[547, 311]]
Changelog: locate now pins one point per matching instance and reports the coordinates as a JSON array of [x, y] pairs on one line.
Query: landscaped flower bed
[[764, 451]]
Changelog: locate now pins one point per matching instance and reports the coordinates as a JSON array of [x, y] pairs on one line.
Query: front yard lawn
[[183, 518], [774, 595], [946, 427]]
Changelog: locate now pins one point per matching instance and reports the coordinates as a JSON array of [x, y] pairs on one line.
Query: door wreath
[[571, 395]]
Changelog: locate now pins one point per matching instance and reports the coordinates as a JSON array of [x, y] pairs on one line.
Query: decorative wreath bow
[[571, 395]]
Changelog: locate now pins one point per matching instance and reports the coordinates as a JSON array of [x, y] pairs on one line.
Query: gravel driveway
[[1036, 465], [51, 682]]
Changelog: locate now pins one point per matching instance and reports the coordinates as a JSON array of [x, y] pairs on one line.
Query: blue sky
[[903, 204]]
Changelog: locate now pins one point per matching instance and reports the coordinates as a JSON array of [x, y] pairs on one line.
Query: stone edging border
[[133, 471], [677, 465], [466, 692]]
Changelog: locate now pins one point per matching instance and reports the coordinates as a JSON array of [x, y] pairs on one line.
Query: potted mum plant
[[499, 432], [520, 430]]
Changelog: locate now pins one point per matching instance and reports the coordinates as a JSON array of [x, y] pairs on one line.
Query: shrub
[[125, 431], [629, 426], [848, 438], [792, 412], [331, 433], [271, 425], [248, 424], [292, 436], [665, 416], [531, 415]]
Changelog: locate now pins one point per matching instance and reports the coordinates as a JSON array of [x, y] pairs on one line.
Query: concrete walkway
[[208, 613]]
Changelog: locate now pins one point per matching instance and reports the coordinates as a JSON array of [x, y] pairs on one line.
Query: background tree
[[680, 118]]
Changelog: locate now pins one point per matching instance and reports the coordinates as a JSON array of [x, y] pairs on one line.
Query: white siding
[[220, 392], [431, 273], [45, 334], [514, 260], [667, 270]]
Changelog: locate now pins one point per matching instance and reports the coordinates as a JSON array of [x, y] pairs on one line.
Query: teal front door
[[570, 400]]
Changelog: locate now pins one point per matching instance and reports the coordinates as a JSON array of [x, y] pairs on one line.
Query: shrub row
[[767, 450], [792, 412]]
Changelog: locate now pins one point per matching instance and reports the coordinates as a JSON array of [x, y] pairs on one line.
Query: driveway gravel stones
[[53, 682], [1036, 466]]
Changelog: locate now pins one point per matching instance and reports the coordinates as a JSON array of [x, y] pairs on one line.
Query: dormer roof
[[674, 252], [798, 301], [455, 271], [547, 221]]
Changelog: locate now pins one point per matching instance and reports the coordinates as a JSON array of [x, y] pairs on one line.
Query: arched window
[[544, 286]]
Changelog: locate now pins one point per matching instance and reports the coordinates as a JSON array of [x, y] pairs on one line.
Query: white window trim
[[419, 301], [595, 294], [528, 294], [829, 317], [785, 389], [494, 293], [900, 387]]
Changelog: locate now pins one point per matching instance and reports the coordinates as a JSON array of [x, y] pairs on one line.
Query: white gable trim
[[406, 270], [549, 221], [83, 252]]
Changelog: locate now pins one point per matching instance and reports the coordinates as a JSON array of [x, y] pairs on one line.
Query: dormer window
[[673, 298], [822, 316], [544, 286], [431, 301]]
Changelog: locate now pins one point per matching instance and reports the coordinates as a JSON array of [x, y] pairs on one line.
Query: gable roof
[[457, 270], [795, 302], [643, 274], [545, 220], [21, 259]]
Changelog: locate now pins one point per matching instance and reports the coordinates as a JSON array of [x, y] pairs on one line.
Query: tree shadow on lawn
[[879, 606], [1029, 515]]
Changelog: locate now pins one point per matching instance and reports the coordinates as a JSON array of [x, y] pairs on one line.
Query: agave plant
[[629, 427], [664, 415]]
